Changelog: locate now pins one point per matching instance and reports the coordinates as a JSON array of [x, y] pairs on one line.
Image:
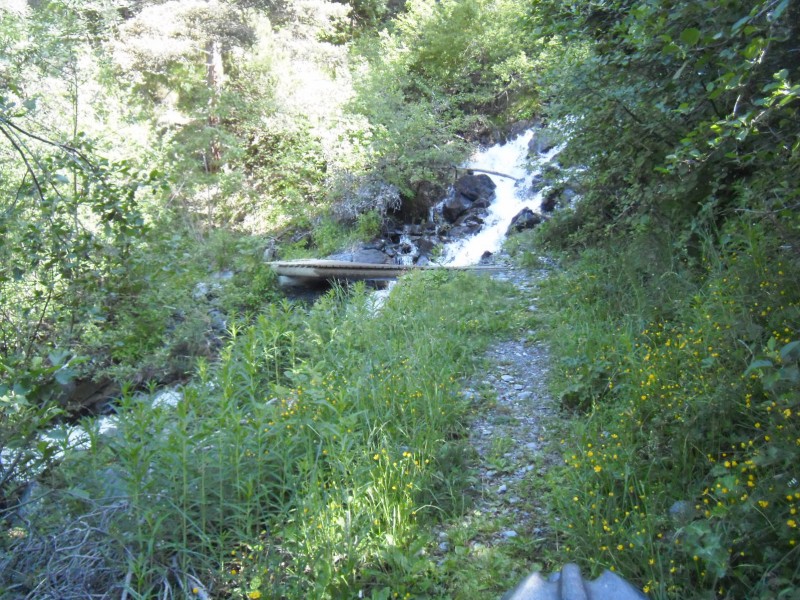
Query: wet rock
[[538, 183], [524, 219], [541, 142], [550, 200], [455, 206], [520, 127], [557, 197], [463, 231], [426, 195], [477, 188]]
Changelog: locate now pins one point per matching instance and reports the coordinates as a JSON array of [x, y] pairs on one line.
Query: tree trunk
[[214, 78]]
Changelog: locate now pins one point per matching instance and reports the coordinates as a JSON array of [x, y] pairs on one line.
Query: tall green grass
[[312, 458], [681, 473]]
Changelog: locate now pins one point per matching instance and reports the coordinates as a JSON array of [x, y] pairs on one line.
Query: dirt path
[[515, 436], [514, 432]]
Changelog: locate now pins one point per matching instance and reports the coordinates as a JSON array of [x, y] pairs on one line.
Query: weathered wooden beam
[[314, 270]]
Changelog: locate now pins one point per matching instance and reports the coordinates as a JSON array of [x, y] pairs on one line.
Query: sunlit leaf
[[690, 36]]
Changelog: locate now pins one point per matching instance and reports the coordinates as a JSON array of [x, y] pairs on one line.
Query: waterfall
[[511, 196]]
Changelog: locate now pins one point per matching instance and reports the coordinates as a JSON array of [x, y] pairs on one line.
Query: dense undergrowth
[[681, 470], [131, 172], [675, 317], [311, 461]]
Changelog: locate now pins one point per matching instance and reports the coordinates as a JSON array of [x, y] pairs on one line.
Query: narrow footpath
[[515, 437]]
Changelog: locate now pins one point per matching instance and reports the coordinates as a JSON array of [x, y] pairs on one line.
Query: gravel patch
[[517, 421]]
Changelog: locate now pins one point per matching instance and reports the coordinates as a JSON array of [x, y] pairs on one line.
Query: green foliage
[[423, 77], [682, 119], [314, 456], [679, 475], [67, 229], [681, 115]]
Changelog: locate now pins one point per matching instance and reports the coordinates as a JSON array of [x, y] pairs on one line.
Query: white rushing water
[[511, 196]]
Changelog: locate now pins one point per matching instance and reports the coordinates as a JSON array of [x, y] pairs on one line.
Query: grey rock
[[538, 183], [541, 142], [478, 188], [454, 207], [524, 219], [509, 534], [168, 398], [201, 291], [219, 324], [502, 489]]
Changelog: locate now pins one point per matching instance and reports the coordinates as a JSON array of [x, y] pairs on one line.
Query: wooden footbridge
[[314, 271]]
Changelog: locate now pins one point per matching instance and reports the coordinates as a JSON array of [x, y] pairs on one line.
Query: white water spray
[[511, 196]]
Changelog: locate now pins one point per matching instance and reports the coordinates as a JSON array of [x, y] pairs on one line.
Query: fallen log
[[470, 170]]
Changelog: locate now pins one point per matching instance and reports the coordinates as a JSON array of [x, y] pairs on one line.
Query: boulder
[[426, 195], [556, 197], [426, 245], [520, 127], [455, 206], [538, 183], [478, 188], [541, 142], [524, 219], [470, 222], [550, 200]]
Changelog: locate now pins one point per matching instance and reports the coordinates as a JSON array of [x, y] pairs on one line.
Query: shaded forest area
[[148, 148]]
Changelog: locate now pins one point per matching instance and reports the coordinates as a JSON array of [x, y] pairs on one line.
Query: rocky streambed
[[505, 188]]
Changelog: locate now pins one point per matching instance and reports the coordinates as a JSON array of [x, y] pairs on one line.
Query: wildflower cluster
[[685, 477]]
